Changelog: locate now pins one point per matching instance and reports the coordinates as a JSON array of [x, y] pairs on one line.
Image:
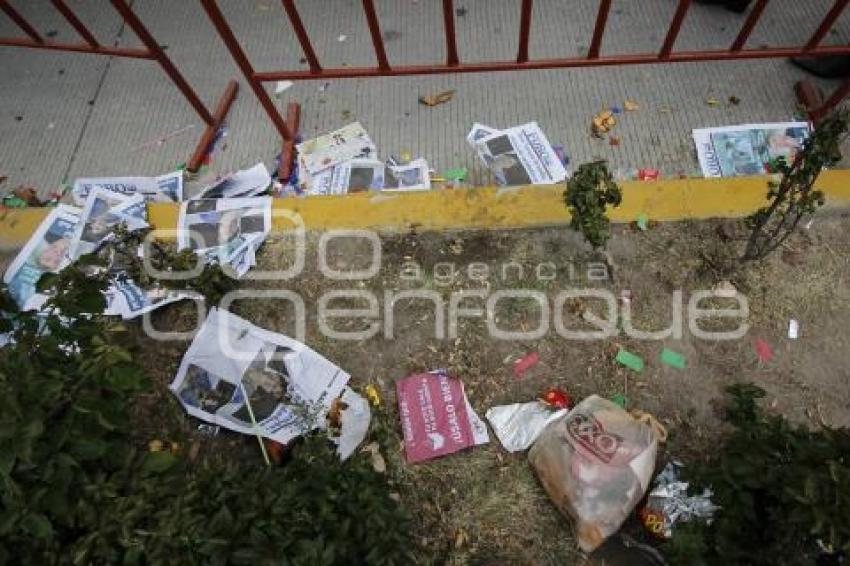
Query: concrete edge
[[488, 207]]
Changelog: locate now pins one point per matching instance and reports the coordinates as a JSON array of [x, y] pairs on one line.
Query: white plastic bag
[[595, 463]]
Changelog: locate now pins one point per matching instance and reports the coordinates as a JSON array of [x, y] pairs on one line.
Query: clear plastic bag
[[596, 464]]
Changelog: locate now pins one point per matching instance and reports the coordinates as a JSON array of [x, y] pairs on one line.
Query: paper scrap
[[673, 359], [763, 350], [282, 86], [525, 363], [793, 329], [630, 105], [630, 360]]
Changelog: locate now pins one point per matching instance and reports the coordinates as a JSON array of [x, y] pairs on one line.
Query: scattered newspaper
[[413, 176], [358, 175], [517, 156], [232, 364], [163, 188], [228, 231], [347, 177], [748, 149], [328, 150], [245, 183], [103, 211], [126, 299], [47, 251]]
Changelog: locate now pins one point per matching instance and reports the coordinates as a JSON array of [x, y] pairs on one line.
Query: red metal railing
[[287, 128], [151, 51]]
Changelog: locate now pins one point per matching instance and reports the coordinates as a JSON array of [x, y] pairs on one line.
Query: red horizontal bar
[[638, 59], [132, 52]]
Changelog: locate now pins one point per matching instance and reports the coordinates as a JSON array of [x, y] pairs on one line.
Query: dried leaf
[[435, 99]]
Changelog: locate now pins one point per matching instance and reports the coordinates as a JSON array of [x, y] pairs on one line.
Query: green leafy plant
[[212, 282], [794, 196], [781, 488], [75, 487], [589, 192]]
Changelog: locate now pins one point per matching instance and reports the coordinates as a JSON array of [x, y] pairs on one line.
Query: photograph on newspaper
[[164, 188], [103, 211], [234, 370], [748, 149], [244, 183], [47, 251], [521, 156], [413, 176], [227, 231]]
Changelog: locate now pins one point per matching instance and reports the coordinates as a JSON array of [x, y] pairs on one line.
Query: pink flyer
[[434, 416]]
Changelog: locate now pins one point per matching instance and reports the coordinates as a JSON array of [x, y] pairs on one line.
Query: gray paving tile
[[135, 104]]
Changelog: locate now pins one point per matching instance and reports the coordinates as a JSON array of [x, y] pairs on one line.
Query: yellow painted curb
[[492, 207]]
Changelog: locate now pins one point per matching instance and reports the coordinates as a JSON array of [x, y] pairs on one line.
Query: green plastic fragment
[[674, 359], [630, 360], [456, 174]]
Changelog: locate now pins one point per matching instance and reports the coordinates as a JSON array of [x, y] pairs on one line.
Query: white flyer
[[289, 387]]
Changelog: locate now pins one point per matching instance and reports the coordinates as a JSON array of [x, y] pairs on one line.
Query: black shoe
[[830, 67], [735, 5]]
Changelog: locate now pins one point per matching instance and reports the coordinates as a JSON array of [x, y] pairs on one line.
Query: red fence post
[[20, 21], [449, 26], [826, 24], [748, 26], [673, 31], [285, 129], [301, 34], [375, 32], [75, 22], [524, 30], [599, 29]]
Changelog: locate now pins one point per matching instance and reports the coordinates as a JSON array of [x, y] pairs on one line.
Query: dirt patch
[[485, 505]]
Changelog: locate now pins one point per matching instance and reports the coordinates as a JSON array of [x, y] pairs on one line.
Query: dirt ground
[[484, 505]]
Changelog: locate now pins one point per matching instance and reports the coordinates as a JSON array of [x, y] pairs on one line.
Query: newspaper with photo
[[518, 156], [47, 251], [228, 230], [413, 176], [164, 188], [328, 150], [244, 183], [350, 176], [231, 363], [127, 299], [748, 149], [103, 211]]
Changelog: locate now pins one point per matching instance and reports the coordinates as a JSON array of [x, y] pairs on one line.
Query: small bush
[[74, 489], [781, 488]]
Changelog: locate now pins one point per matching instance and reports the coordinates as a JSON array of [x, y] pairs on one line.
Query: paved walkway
[[69, 115]]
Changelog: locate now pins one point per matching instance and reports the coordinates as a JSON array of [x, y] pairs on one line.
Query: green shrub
[[74, 489], [589, 191], [780, 489]]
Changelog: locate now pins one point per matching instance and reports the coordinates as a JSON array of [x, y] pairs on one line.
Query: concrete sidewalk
[[69, 115]]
